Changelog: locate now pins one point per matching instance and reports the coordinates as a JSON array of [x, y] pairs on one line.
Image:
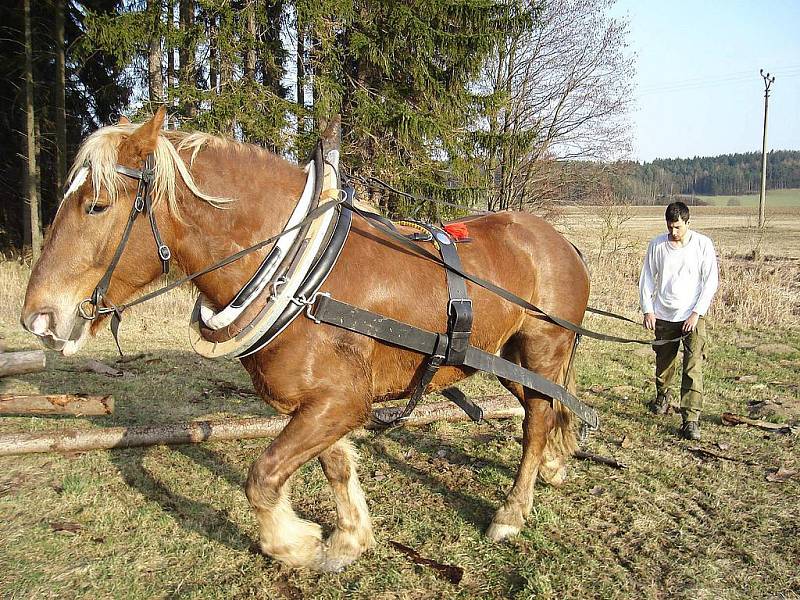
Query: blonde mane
[[101, 149]]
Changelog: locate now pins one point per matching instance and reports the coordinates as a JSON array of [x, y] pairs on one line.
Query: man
[[678, 282]]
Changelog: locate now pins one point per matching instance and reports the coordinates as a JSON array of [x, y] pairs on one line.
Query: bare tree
[[565, 89]]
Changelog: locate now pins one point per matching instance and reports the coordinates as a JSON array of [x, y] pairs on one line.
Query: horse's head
[[84, 236]]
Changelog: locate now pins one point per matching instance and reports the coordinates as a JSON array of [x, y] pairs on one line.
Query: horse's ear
[[123, 120], [143, 141]]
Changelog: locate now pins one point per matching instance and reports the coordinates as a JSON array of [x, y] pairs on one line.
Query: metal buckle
[[164, 252], [86, 315], [309, 303], [454, 300]]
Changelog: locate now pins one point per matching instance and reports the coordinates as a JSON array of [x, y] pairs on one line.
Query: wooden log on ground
[[18, 363], [56, 404], [494, 407], [731, 419], [603, 460]]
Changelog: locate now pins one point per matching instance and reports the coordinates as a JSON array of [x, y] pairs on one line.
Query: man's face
[[677, 230]]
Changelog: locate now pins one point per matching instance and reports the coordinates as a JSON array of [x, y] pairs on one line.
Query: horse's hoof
[[555, 477], [335, 564], [498, 532]]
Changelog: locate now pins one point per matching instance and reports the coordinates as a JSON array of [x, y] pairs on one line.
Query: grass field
[[677, 523], [775, 199]]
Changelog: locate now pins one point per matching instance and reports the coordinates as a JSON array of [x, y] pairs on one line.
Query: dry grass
[[754, 292], [174, 522]]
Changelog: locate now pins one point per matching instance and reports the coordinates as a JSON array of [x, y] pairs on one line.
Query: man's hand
[[649, 321], [690, 323]]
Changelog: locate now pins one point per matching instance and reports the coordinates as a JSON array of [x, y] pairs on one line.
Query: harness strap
[[459, 307], [346, 316], [505, 294], [435, 361], [451, 347]]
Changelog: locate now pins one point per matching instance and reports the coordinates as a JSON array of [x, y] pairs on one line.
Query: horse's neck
[[264, 189]]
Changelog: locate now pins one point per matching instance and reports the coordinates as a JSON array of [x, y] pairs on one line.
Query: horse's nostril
[[39, 324]]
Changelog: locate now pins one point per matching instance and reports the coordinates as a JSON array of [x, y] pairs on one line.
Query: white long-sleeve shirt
[[677, 281]]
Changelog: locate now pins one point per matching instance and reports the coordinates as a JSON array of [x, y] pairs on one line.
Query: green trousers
[[694, 351]]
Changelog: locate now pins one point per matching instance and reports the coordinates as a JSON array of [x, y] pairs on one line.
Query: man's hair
[[675, 211]]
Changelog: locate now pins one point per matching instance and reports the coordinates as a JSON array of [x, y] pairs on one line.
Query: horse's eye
[[96, 209]]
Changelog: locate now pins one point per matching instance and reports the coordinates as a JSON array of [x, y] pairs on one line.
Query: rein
[[378, 184], [143, 203]]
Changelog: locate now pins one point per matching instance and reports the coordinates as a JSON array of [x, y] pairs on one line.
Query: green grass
[[174, 522], [775, 198]]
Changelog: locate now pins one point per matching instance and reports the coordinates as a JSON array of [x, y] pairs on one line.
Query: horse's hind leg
[[353, 533], [547, 436], [282, 534]]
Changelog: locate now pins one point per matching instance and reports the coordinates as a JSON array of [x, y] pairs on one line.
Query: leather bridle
[[142, 204]]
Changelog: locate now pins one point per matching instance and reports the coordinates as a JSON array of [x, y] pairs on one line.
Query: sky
[[698, 91]]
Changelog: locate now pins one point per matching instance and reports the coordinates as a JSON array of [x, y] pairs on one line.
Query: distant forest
[[732, 174]]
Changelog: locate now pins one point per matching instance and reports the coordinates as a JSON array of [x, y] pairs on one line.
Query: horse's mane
[[101, 148]]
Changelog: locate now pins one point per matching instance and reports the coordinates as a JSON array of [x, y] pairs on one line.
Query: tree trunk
[[154, 58], [186, 56], [18, 363], [170, 48], [225, 79], [213, 64], [56, 404], [60, 99], [494, 407], [33, 235], [250, 46], [301, 78]]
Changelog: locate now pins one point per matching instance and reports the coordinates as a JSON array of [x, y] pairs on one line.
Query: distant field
[[789, 197], [734, 230]]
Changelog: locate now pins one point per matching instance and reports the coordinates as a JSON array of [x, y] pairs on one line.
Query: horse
[[211, 198]]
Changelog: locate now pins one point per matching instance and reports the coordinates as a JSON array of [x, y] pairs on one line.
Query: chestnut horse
[[212, 198]]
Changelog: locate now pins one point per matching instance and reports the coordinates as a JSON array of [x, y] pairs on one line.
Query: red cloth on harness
[[458, 231]]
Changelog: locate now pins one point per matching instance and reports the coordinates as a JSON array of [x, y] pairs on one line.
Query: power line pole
[[768, 81]]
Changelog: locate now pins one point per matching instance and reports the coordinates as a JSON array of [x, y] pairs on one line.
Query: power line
[[694, 84]]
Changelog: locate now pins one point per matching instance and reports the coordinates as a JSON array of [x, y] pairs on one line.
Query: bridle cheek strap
[[142, 204]]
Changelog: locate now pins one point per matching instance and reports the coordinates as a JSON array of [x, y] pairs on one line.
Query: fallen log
[[494, 407], [56, 404], [603, 460], [731, 419], [18, 363]]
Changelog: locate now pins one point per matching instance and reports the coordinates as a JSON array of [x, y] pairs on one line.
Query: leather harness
[[450, 348]]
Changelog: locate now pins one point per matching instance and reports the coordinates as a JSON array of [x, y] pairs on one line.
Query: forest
[[472, 101], [495, 104], [728, 174]]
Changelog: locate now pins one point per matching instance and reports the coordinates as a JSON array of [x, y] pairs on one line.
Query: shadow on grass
[[167, 386], [160, 388], [471, 508], [191, 515]]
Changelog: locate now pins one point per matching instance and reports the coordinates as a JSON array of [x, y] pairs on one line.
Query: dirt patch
[[776, 349]]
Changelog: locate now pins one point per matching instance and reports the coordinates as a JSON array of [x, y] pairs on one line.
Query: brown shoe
[[690, 430], [660, 405]]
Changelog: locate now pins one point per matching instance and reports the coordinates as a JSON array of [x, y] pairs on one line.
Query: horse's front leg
[[353, 533], [283, 535]]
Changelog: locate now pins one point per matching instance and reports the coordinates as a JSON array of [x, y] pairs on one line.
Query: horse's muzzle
[[64, 335]]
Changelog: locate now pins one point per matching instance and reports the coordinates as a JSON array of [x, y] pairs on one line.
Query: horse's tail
[[561, 441]]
